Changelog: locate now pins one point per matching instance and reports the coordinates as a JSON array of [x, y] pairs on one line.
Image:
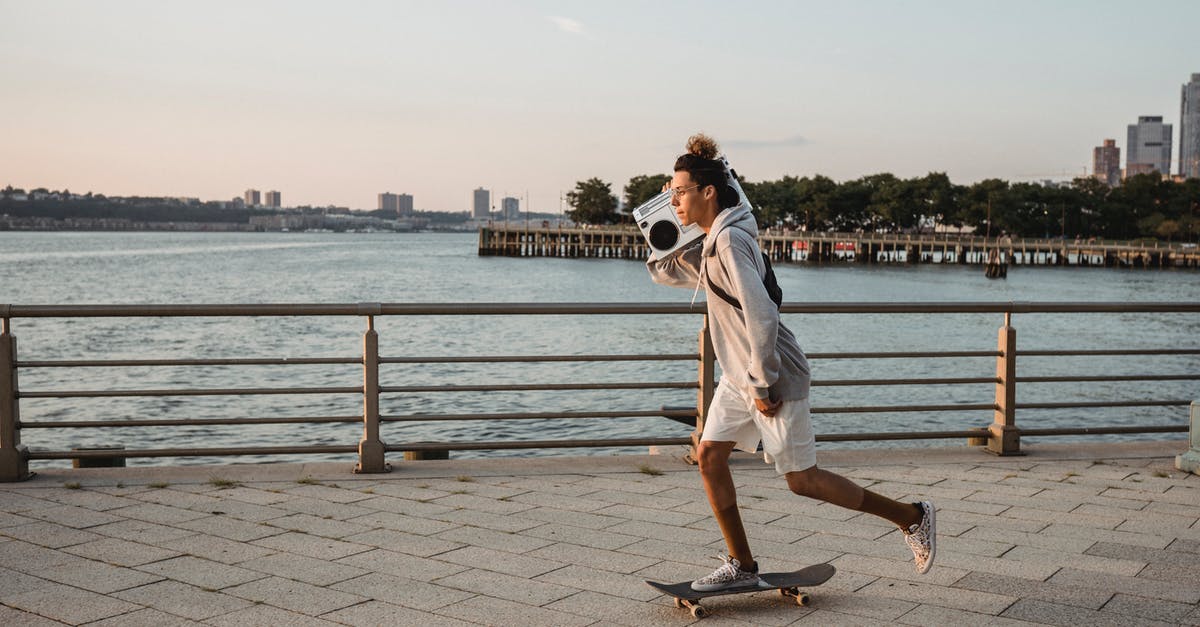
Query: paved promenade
[[1078, 535]]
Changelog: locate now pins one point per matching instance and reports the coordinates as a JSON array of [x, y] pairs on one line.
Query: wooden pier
[[799, 246]]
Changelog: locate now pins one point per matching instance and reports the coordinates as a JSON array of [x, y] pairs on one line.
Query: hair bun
[[702, 146]]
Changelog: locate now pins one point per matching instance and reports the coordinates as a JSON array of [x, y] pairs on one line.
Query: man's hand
[[767, 407]]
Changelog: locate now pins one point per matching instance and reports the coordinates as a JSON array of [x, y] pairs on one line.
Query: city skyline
[[333, 104]]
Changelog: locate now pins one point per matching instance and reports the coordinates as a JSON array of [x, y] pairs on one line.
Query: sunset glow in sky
[[333, 103]]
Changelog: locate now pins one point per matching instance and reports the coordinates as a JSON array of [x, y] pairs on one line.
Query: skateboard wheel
[[803, 599], [699, 612]]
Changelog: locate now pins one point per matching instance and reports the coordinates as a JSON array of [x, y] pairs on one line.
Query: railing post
[[707, 380], [1004, 436], [1189, 460], [14, 458], [371, 458]]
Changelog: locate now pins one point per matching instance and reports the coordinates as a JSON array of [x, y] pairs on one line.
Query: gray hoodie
[[756, 352]]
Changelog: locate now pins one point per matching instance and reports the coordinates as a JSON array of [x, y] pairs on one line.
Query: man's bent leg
[[722, 497], [832, 488]]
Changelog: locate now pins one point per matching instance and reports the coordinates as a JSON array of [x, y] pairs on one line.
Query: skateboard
[[788, 584]]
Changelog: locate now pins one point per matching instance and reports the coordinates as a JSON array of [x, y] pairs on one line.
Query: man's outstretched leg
[[916, 520]]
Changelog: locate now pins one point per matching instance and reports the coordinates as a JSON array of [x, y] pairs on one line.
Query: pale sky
[[335, 102]]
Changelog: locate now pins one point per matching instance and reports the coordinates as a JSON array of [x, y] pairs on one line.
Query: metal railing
[[1002, 436]]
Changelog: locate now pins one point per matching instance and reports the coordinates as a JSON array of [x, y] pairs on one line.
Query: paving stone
[[1044, 612], [646, 514], [15, 501], [68, 604], [318, 526], [868, 529], [215, 548], [402, 565], [120, 552], [560, 501], [296, 596], [50, 535], [827, 618], [893, 570], [643, 529], [408, 490], [480, 488], [571, 518], [202, 573], [825, 544], [146, 617], [934, 615], [1077, 561], [1141, 608], [412, 544], [1164, 557], [612, 561], [498, 522], [1183, 591], [402, 522], [13, 520], [141, 531], [71, 516], [615, 482], [1108, 535], [672, 551], [496, 611], [253, 495], [373, 613], [499, 561], [301, 568], [855, 604], [328, 494], [626, 586], [31, 558], [98, 577], [249, 512], [89, 499], [319, 508], [1077, 596], [260, 615], [176, 498], [614, 610], [486, 538], [161, 514], [404, 592], [407, 507], [1067, 544], [181, 599], [482, 504], [1186, 546], [503, 586], [997, 521], [1067, 518], [939, 595], [10, 616], [230, 528], [312, 546]]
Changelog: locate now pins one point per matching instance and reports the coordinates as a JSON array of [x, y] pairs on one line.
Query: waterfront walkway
[[1068, 535]]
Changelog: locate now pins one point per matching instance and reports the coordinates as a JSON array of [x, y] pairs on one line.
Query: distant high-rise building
[[253, 198], [1148, 148], [1106, 163], [510, 208], [483, 204], [274, 199], [404, 205], [389, 202], [1189, 129]]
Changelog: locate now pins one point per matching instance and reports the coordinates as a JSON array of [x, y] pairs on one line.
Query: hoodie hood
[[737, 217]]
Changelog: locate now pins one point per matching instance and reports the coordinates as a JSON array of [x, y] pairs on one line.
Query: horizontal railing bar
[[185, 422], [1131, 377], [1103, 404], [534, 358], [524, 444], [454, 309], [901, 435], [566, 415], [900, 408], [903, 355], [1105, 430], [1110, 351], [874, 382], [410, 389], [194, 452], [196, 392], [284, 361]]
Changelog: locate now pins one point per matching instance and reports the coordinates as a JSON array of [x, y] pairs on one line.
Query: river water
[[173, 268]]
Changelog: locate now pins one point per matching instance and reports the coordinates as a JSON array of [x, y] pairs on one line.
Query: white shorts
[[787, 437]]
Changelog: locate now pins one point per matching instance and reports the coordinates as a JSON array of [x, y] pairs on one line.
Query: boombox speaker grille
[[663, 235]]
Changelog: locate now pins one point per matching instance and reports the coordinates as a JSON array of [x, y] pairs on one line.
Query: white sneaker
[[922, 539], [730, 575]]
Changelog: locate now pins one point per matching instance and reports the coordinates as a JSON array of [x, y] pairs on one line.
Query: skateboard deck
[[787, 584]]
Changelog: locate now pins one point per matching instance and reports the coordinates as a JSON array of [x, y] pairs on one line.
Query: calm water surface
[[170, 268]]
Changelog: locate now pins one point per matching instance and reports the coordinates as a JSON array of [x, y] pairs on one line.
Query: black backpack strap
[[769, 282]]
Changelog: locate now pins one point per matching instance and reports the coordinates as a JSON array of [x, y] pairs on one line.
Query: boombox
[[660, 226]]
